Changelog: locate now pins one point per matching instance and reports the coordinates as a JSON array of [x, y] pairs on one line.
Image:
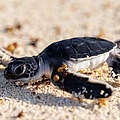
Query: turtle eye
[[19, 69]]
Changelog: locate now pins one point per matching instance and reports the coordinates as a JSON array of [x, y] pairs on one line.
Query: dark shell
[[80, 47]]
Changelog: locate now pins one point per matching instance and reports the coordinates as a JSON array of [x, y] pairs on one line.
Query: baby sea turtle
[[61, 61]]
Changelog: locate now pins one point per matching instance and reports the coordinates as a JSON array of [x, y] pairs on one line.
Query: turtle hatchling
[[61, 62]]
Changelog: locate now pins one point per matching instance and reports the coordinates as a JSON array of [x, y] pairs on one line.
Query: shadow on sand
[[22, 93]]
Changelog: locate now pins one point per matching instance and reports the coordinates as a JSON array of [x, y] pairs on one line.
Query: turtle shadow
[[24, 94]]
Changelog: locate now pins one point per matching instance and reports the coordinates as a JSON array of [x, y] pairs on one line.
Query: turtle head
[[21, 69]]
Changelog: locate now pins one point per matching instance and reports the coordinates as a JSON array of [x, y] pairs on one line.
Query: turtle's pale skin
[[76, 54]]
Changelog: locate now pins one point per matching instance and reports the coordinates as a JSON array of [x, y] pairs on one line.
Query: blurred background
[[29, 26], [33, 24]]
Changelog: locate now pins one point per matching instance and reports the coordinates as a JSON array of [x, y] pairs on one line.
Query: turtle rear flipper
[[115, 72], [114, 61], [118, 43], [81, 86]]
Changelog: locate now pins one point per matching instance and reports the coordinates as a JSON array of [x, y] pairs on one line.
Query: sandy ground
[[46, 21]]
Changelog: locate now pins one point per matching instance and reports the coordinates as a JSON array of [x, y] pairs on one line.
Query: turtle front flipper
[[79, 85], [5, 57]]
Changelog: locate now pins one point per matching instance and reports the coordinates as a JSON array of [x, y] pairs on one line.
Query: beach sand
[[33, 25]]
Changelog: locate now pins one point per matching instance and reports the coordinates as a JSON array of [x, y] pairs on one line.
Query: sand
[[46, 21]]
